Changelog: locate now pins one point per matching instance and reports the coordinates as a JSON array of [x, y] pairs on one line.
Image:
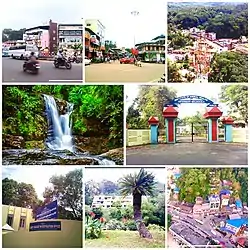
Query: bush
[[93, 228], [130, 225], [115, 225], [155, 227]]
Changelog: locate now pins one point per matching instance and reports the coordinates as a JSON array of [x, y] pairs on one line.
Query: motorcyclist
[[60, 56], [32, 57]]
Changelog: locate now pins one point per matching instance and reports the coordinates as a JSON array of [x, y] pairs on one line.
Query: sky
[[114, 174], [121, 25], [28, 13], [210, 91], [38, 176]]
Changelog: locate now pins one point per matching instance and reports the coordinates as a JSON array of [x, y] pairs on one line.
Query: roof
[[43, 27], [61, 24], [238, 222]]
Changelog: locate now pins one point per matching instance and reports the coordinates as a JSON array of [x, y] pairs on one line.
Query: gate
[[194, 132]]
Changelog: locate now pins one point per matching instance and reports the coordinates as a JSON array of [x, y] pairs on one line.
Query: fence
[[136, 137], [240, 135]]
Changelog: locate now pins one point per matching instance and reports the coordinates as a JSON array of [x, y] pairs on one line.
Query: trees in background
[[229, 67], [236, 97]]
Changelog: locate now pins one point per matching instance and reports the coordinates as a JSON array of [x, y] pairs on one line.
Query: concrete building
[[97, 27], [18, 218], [44, 36], [70, 34], [106, 201]]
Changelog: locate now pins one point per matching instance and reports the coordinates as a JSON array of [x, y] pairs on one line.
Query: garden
[[139, 224]]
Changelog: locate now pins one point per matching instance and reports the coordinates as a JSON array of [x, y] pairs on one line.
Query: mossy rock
[[34, 144]]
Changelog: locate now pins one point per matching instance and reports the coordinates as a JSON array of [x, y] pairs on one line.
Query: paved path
[[188, 154], [116, 72], [13, 72]]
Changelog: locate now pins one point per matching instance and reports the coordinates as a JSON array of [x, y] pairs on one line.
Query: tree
[[12, 35], [229, 67], [109, 45], [68, 191], [108, 187], [138, 185], [169, 220], [236, 97], [9, 191], [91, 189], [174, 74]]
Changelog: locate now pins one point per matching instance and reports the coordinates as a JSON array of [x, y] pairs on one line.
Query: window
[[88, 24], [54, 32], [108, 205], [10, 220], [22, 222]]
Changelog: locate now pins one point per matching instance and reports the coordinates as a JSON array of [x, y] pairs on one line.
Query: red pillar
[[170, 114]]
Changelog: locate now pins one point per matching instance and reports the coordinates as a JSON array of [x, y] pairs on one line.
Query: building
[[106, 201], [70, 34], [18, 218], [153, 50], [98, 28], [44, 36]]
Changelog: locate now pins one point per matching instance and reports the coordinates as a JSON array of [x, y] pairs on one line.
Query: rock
[[13, 141], [115, 155]]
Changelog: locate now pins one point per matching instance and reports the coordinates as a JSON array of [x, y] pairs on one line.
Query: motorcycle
[[76, 59], [32, 67], [64, 62]]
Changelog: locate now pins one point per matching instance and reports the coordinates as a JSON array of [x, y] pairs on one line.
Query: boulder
[[13, 141]]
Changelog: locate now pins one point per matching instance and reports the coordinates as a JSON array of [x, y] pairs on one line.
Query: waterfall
[[59, 126]]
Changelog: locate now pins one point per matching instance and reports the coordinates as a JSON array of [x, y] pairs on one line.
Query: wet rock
[[12, 141], [34, 144], [115, 155]]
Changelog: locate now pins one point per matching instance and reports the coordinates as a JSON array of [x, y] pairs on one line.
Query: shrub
[[115, 225], [155, 227], [93, 228], [130, 225]]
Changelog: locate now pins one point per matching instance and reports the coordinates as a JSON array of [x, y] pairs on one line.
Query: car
[[87, 61], [126, 60]]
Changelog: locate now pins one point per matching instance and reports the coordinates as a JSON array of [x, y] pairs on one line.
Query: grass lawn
[[127, 239]]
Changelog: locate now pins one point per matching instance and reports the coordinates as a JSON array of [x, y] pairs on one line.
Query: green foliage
[[142, 183], [174, 74], [229, 67], [115, 224], [155, 227], [93, 228], [98, 212], [24, 110], [227, 20], [177, 40], [130, 225], [12, 35], [236, 97], [169, 220]]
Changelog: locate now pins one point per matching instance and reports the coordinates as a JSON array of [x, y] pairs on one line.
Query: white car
[[87, 61]]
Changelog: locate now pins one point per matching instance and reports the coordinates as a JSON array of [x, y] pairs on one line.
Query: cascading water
[[60, 126]]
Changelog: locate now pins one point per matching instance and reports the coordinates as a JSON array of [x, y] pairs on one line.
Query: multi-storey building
[[153, 50], [106, 201], [18, 218]]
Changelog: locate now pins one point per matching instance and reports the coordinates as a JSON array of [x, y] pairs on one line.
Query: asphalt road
[[116, 72], [13, 72], [188, 154]]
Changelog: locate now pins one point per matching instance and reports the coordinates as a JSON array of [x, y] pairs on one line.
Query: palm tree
[[138, 185]]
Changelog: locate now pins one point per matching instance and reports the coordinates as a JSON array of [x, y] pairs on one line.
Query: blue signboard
[[45, 226], [190, 99], [49, 211]]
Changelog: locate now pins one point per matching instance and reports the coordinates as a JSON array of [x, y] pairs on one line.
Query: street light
[[134, 14]]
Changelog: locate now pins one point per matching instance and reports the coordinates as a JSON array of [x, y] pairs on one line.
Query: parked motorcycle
[[32, 67], [62, 63]]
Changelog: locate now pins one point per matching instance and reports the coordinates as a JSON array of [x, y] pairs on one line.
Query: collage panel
[[47, 46], [207, 41], [62, 125], [207, 207], [187, 124], [124, 208], [127, 45], [39, 209]]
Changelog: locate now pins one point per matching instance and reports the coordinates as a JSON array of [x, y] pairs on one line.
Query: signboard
[[191, 99], [49, 211], [45, 226]]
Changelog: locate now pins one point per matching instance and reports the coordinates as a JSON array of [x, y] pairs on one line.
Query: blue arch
[[190, 99]]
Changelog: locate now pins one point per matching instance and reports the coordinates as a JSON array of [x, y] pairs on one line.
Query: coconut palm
[[138, 185]]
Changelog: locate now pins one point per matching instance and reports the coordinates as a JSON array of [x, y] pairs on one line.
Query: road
[[116, 72], [188, 154], [13, 72]]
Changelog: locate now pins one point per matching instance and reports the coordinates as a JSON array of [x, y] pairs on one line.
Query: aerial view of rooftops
[[207, 207]]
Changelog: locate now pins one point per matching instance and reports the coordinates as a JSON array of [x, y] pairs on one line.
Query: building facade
[[70, 34], [18, 218], [153, 50], [98, 28], [106, 201]]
